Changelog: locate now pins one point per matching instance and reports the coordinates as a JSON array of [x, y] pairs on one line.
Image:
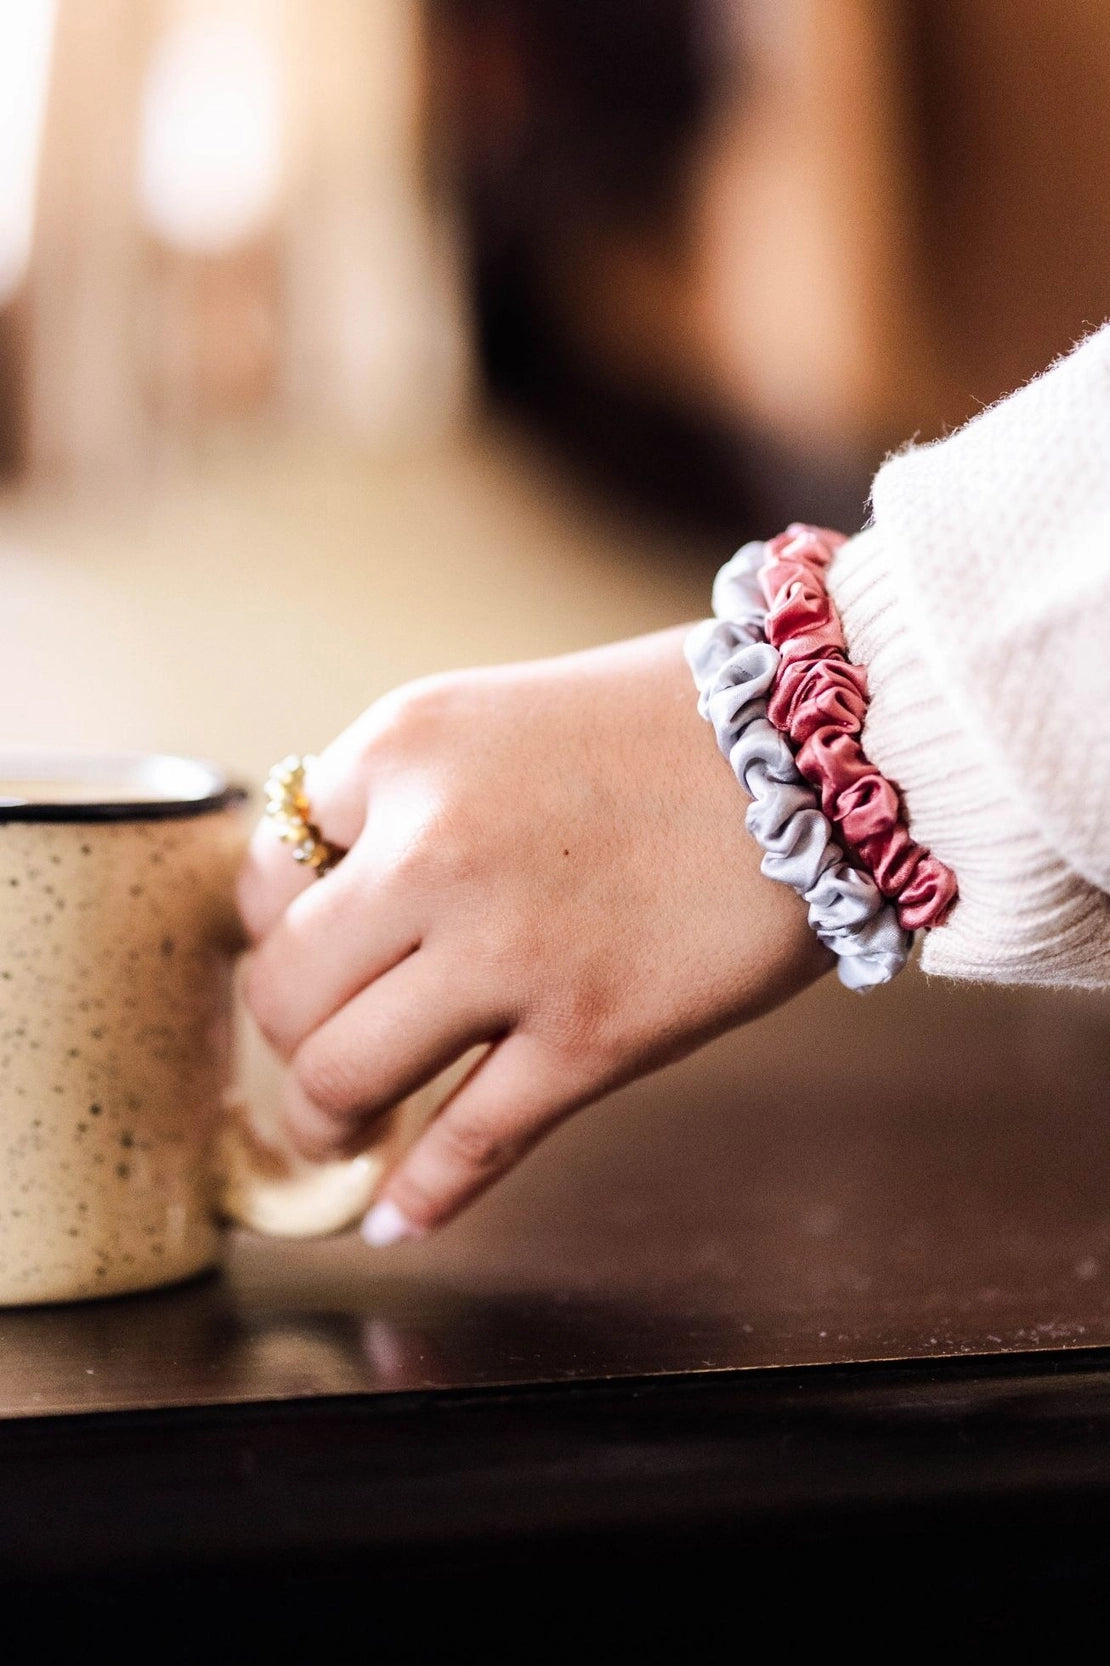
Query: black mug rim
[[222, 794]]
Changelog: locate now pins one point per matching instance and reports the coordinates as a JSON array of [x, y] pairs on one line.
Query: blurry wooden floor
[[256, 605]]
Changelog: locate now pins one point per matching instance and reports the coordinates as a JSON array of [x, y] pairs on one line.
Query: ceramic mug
[[118, 934]]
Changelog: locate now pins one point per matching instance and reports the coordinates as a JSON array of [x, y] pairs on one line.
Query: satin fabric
[[819, 701], [735, 669]]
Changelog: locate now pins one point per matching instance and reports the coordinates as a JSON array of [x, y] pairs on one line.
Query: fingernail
[[386, 1225]]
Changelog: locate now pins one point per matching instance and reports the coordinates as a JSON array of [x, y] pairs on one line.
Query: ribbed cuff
[[1023, 915]]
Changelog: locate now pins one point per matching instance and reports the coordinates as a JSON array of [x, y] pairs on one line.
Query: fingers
[[335, 938], [268, 881], [517, 1093], [393, 1037]]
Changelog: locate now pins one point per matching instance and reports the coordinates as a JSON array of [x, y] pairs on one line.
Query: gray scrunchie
[[734, 668]]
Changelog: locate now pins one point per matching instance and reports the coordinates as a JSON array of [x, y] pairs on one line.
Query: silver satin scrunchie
[[734, 667]]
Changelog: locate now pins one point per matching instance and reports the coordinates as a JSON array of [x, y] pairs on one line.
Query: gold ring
[[287, 808]]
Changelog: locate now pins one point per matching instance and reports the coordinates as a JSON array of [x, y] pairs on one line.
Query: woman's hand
[[550, 859]]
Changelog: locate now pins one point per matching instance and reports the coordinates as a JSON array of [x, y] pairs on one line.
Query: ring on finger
[[288, 811]]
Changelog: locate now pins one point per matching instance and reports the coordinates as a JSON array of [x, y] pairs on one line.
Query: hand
[[550, 859]]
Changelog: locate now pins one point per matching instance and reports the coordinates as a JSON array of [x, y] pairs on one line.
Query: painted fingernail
[[386, 1225]]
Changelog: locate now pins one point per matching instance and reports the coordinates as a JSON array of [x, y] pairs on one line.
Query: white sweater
[[979, 600]]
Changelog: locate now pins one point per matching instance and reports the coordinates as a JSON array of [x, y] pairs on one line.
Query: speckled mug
[[117, 938]]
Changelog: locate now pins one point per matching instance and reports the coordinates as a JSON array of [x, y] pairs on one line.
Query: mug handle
[[272, 1190], [262, 1183]]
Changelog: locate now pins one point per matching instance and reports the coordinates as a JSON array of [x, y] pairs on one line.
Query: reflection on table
[[918, 1174]]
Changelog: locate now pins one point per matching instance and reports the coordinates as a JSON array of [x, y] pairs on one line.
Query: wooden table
[[805, 1321]]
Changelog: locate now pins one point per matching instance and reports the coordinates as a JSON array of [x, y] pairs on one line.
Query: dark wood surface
[[677, 1517], [837, 1280], [752, 1450], [920, 1174]]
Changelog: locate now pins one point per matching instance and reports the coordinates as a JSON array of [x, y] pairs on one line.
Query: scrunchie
[[819, 701], [735, 669]]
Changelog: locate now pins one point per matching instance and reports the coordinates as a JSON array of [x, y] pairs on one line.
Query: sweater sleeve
[[979, 601]]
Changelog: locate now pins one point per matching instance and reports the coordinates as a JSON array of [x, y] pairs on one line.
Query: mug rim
[[189, 786]]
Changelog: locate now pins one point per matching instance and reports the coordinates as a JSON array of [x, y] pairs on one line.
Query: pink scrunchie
[[819, 701]]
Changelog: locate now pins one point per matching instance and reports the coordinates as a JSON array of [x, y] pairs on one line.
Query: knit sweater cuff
[[1023, 915]]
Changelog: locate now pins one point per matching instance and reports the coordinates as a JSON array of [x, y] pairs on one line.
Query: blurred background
[[341, 340]]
